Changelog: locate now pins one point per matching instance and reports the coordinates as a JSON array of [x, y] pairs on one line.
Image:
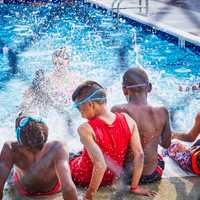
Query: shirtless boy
[[153, 122], [40, 168], [105, 137]]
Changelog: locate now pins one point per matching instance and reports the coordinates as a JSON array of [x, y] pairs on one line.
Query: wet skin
[[154, 129], [38, 170]]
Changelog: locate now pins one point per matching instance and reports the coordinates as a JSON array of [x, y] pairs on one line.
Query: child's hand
[[88, 195], [139, 190]]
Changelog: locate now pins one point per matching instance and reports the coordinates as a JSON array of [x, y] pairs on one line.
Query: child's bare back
[[153, 122], [40, 168], [31, 167]]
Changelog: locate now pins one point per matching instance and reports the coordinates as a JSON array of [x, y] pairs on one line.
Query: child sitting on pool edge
[[105, 137], [187, 158], [153, 123], [32, 157]]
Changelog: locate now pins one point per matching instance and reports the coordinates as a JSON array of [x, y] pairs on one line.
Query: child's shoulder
[[159, 110], [163, 113], [55, 144], [120, 108], [58, 147], [10, 146], [163, 109], [84, 127]]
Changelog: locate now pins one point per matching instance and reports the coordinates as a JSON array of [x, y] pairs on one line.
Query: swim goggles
[[23, 122], [137, 85], [89, 98]]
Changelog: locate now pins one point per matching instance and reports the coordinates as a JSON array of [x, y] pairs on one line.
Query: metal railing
[[140, 5]]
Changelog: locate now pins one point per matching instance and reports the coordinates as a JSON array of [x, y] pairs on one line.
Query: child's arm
[[97, 158], [6, 164], [192, 134], [64, 175], [138, 161], [166, 132]]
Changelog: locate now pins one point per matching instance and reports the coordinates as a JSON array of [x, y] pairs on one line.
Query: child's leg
[[181, 154]]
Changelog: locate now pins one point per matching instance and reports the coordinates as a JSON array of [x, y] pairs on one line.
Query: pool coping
[[184, 40]]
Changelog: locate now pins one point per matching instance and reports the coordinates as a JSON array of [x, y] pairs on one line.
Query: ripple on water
[[183, 70]]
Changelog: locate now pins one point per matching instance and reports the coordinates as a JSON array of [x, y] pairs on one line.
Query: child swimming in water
[[188, 158], [33, 157], [106, 137], [53, 90], [62, 80]]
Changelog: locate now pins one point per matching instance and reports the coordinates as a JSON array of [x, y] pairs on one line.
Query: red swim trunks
[[23, 192]]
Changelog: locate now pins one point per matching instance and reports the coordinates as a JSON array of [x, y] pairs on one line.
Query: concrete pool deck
[[177, 17], [184, 188]]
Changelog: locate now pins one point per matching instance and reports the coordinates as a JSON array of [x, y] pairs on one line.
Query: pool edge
[[185, 40]]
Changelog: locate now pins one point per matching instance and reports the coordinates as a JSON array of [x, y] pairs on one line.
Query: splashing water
[[36, 32]]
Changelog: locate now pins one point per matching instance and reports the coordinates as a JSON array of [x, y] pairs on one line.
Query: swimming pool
[[101, 49]]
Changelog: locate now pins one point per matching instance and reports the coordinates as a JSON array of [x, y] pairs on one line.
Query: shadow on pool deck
[[168, 189]]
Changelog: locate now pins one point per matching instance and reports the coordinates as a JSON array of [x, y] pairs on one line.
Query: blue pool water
[[96, 40]]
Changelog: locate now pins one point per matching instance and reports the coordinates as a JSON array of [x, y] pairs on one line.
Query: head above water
[[31, 131], [61, 57], [135, 80], [88, 96]]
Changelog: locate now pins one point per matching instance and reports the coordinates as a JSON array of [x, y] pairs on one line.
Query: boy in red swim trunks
[[105, 137], [40, 168], [153, 122]]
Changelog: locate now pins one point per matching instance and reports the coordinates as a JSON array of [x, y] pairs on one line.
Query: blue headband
[[89, 98], [23, 122]]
